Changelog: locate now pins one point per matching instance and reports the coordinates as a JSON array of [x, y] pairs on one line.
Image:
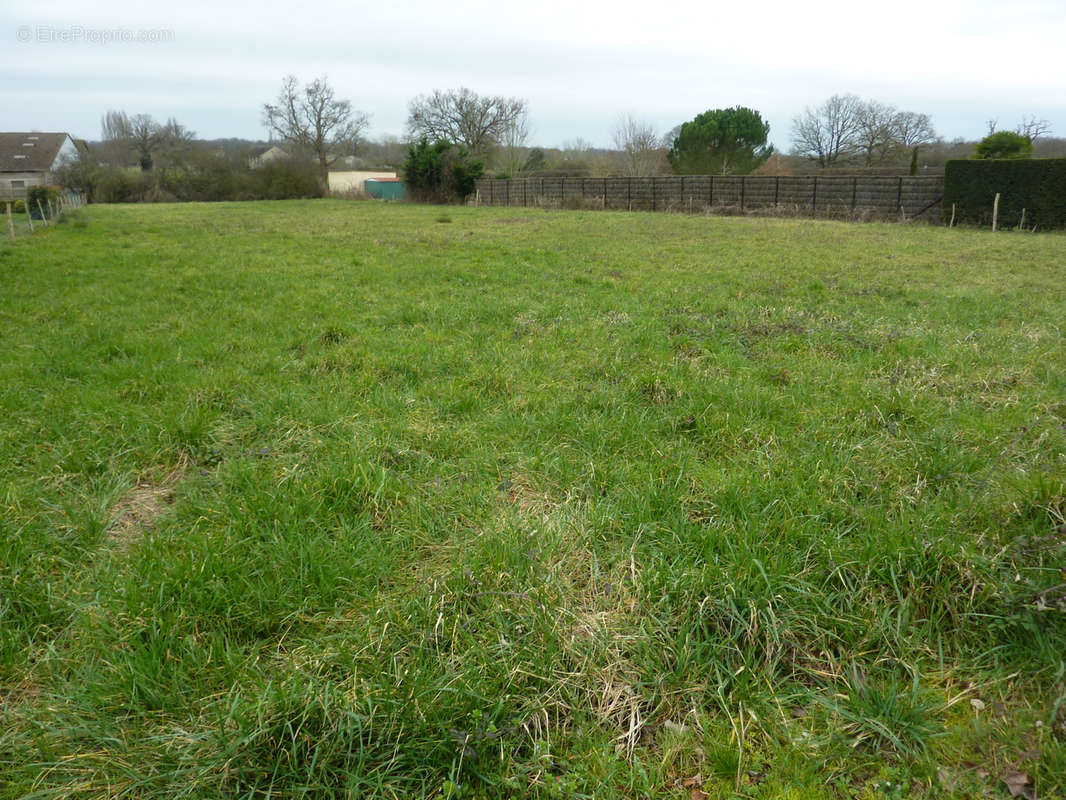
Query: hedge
[[1036, 185]]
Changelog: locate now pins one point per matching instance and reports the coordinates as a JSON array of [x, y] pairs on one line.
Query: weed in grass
[[75, 219], [885, 713]]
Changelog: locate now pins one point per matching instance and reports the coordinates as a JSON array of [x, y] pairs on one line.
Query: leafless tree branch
[[639, 145], [464, 117], [314, 120]]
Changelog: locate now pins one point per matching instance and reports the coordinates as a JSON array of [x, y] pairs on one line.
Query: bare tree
[[829, 134], [876, 135], [141, 136], [639, 146], [114, 125], [513, 142], [175, 144], [577, 147], [115, 146], [464, 117], [846, 127], [911, 129], [146, 135], [313, 119], [1033, 128]]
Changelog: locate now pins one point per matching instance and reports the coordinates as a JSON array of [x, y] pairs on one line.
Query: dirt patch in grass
[[139, 508], [23, 693]]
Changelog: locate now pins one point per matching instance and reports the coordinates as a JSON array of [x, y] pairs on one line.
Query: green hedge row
[[1036, 185]]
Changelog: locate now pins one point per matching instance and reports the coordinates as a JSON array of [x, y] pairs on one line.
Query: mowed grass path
[[322, 499]]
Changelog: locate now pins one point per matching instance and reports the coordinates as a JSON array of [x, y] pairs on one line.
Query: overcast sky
[[579, 64]]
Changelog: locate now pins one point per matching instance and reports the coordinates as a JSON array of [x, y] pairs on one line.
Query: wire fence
[[25, 217]]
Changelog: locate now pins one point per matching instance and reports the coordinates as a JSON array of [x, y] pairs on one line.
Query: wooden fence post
[[29, 216], [777, 188], [899, 195], [854, 192], [40, 208], [814, 197], [742, 183], [710, 193], [995, 212], [10, 223]]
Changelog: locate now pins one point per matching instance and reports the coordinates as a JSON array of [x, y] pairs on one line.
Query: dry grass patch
[[139, 508]]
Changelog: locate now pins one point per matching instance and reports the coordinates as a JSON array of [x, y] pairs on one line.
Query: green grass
[[323, 499]]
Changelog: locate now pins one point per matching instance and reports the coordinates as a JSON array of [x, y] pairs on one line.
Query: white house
[[31, 159]]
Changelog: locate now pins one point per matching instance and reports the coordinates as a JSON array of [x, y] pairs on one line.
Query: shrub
[[81, 174], [208, 177], [1038, 186], [1004, 144], [284, 178], [117, 185], [39, 199], [440, 172]]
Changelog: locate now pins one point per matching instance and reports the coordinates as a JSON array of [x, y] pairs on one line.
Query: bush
[[1038, 186], [117, 185], [80, 174], [208, 177], [41, 200], [440, 172], [1004, 144], [284, 178]]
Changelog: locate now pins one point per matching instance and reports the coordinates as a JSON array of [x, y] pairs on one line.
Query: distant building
[[32, 159], [354, 181], [264, 155]]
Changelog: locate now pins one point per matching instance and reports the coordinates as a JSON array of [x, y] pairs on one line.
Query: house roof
[[29, 152]]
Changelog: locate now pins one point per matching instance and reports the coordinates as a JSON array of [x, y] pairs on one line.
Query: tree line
[[453, 137], [139, 159]]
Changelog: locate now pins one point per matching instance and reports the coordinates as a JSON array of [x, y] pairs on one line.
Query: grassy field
[[328, 499]]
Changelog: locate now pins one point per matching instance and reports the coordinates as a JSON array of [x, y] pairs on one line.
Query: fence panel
[[813, 195]]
